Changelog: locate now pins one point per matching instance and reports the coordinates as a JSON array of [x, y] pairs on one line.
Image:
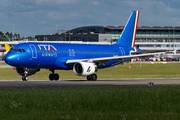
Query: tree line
[[9, 36]]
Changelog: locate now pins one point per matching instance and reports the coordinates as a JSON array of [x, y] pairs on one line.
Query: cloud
[[56, 1], [55, 15], [95, 3], [37, 15], [44, 2]]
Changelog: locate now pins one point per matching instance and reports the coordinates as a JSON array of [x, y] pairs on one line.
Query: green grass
[[2, 63], [120, 71], [98, 103]]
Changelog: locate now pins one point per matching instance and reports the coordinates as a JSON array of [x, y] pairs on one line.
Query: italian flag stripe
[[135, 49], [135, 28]]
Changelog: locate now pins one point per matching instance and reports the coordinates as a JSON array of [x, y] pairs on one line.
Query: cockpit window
[[19, 50], [23, 50], [14, 50]]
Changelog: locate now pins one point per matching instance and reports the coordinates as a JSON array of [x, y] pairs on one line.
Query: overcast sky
[[31, 17]]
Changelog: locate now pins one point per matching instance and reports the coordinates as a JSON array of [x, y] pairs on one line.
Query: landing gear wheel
[[56, 77], [89, 78], [25, 78], [94, 77], [51, 77]]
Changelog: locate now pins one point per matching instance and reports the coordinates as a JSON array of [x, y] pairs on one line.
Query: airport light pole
[[169, 38], [13, 32], [65, 33], [69, 34], [57, 28]]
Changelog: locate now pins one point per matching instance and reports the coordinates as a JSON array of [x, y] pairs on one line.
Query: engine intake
[[31, 71], [84, 68]]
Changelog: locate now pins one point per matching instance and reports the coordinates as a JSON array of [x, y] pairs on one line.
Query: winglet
[[128, 35], [7, 47]]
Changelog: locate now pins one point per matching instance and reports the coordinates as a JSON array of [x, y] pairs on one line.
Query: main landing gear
[[92, 77], [53, 76]]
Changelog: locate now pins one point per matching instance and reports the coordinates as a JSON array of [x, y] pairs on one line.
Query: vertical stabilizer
[[7, 47], [128, 35]]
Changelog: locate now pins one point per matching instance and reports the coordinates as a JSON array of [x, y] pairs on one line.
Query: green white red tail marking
[[135, 49], [135, 28]]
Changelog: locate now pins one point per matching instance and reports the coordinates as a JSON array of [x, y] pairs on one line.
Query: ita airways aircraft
[[83, 59]]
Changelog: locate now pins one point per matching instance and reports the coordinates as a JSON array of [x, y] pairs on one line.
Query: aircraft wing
[[105, 59], [148, 51]]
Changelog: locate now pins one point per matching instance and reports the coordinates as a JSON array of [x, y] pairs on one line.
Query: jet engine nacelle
[[84, 68], [31, 71]]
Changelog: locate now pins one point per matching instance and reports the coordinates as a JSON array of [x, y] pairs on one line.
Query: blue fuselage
[[55, 55]]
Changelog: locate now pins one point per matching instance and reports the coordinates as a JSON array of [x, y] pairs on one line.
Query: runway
[[85, 83]]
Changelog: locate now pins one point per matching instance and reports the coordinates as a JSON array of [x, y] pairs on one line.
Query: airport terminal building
[[147, 37]]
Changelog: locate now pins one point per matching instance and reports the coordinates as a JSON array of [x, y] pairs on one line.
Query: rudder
[[128, 36]]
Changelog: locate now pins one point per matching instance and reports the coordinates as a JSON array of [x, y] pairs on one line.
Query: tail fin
[[128, 35], [7, 47]]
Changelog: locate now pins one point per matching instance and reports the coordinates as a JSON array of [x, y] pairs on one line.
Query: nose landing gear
[[25, 78]]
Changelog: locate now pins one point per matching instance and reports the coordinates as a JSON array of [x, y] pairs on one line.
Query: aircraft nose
[[10, 59]]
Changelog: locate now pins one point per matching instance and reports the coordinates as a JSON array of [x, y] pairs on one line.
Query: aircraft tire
[[51, 77], [94, 77], [25, 78], [56, 77], [89, 78]]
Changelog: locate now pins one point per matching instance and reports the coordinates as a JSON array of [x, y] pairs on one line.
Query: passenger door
[[122, 51], [33, 50]]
